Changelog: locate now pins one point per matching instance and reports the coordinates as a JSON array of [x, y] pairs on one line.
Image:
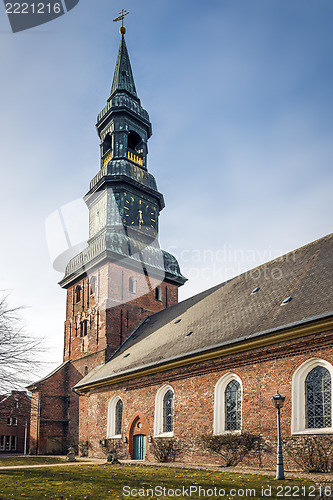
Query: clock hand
[[141, 221]]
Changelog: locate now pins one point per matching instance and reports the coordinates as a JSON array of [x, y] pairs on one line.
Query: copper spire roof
[[123, 76]]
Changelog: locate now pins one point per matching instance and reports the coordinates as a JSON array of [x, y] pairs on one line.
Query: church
[[137, 364]]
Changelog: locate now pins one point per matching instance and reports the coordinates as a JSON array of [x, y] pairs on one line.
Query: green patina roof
[[123, 76]]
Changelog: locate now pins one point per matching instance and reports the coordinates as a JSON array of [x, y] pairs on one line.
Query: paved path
[[94, 461]]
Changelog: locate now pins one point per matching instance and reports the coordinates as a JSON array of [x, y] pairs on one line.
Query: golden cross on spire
[[120, 17]]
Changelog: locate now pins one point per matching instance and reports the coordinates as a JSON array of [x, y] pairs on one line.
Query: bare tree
[[19, 352]]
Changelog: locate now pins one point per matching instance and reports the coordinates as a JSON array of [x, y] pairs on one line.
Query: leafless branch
[[20, 353]]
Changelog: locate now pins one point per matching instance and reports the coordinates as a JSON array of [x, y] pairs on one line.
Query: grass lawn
[[28, 460], [102, 482]]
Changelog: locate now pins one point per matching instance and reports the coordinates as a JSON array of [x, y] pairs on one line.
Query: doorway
[[139, 446]]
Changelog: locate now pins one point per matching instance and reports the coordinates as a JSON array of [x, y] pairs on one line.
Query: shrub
[[166, 449], [262, 447], [311, 453], [231, 447]]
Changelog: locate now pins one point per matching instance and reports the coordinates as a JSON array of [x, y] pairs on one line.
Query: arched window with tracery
[[228, 404], [233, 406], [118, 417], [164, 412], [168, 409], [318, 391], [312, 398]]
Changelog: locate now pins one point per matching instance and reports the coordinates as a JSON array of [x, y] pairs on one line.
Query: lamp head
[[278, 400]]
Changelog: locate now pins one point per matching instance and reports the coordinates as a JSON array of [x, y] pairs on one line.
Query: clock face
[[140, 214], [97, 217]]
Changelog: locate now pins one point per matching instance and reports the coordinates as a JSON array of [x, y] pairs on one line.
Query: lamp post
[[278, 402], [25, 437]]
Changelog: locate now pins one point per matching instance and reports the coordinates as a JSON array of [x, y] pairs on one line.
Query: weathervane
[[121, 16]]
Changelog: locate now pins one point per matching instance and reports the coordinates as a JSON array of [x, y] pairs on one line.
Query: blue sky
[[239, 93]]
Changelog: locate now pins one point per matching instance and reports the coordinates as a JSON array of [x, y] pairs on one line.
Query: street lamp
[[278, 402]]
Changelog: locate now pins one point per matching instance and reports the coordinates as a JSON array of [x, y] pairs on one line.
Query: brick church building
[[138, 364]]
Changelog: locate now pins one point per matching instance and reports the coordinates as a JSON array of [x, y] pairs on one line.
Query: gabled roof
[[123, 76], [230, 313]]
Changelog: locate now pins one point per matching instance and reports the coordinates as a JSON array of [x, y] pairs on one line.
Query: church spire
[[123, 76]]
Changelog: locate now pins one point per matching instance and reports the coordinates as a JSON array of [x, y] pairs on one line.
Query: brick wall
[[112, 312], [14, 414], [262, 372]]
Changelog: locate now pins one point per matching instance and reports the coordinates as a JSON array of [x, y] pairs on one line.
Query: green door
[[139, 446]]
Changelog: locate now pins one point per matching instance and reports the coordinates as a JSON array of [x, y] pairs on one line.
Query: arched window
[[158, 293], [318, 393], [132, 285], [115, 418], [106, 144], [92, 285], [312, 398], [228, 404], [233, 406], [168, 411], [134, 142], [118, 417], [164, 412], [77, 294], [83, 328]]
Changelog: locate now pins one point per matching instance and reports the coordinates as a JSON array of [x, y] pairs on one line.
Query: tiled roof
[[230, 312]]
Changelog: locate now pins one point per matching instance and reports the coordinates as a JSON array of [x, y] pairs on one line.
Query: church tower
[[122, 277]]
